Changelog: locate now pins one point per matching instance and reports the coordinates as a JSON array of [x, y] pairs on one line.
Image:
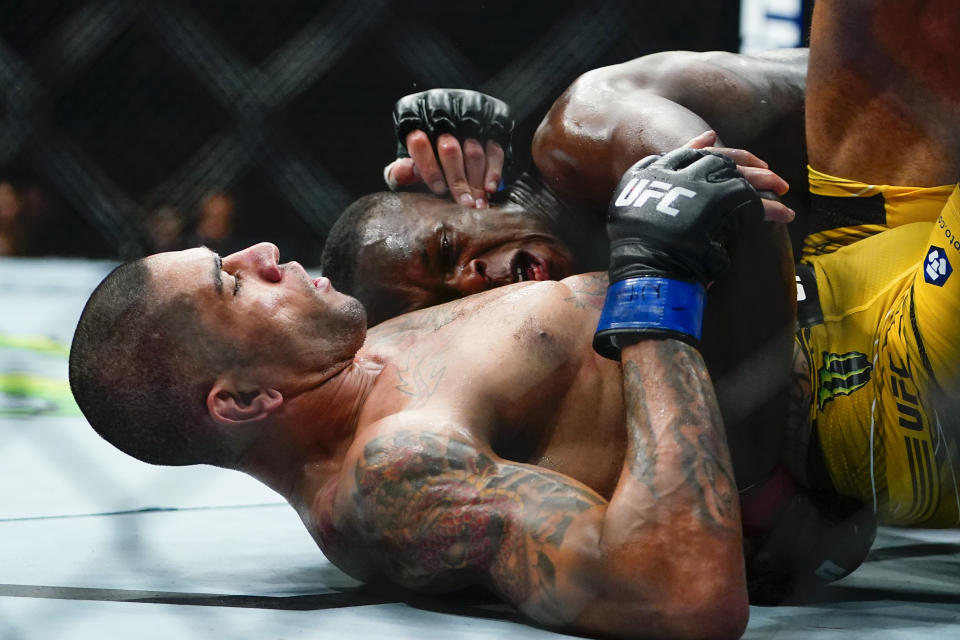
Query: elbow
[[712, 603], [723, 616], [693, 615]]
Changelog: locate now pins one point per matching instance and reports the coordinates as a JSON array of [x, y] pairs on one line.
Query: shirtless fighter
[[882, 108], [399, 251], [447, 446]]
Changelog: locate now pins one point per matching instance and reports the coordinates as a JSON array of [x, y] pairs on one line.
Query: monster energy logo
[[841, 375]]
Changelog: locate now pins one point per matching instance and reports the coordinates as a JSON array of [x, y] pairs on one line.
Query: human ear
[[227, 404]]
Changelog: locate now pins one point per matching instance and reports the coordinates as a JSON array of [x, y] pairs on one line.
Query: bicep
[[445, 515], [597, 130]]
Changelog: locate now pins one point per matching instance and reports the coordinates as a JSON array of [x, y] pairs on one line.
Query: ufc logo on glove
[[639, 190]]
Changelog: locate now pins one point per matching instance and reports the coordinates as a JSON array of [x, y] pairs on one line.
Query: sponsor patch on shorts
[[841, 374], [937, 267]]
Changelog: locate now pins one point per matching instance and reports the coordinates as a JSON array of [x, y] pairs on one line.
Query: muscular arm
[[662, 559], [613, 116]]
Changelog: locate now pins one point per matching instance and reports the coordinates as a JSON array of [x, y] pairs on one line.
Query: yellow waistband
[[823, 184]]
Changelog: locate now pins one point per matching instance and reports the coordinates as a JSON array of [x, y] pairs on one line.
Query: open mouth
[[525, 266]]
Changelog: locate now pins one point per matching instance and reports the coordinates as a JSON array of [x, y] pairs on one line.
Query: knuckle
[[417, 138], [448, 147], [473, 153]]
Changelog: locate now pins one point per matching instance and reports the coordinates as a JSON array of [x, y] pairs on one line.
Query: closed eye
[[236, 284]]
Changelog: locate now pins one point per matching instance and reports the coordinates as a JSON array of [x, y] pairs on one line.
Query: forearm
[[677, 462], [671, 533]]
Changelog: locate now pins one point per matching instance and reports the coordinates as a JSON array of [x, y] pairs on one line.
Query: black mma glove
[[460, 112], [667, 222]]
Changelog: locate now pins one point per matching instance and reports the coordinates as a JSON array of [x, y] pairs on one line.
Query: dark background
[[111, 109]]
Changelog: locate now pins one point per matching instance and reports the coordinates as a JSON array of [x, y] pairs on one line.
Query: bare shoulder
[[586, 290]]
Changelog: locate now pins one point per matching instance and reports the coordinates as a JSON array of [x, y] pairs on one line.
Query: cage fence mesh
[[129, 126]]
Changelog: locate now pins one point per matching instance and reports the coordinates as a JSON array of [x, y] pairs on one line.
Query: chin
[[354, 318]]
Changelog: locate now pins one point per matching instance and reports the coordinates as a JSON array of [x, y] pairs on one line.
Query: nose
[[262, 259], [472, 278]]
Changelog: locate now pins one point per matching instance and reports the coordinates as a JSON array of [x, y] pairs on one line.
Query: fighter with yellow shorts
[[880, 326]]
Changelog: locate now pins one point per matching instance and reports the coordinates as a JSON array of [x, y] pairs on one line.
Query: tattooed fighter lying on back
[[482, 441]]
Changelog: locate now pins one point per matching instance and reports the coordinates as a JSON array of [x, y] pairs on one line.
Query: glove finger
[[679, 158], [408, 116], [441, 109], [713, 167], [474, 112], [644, 163], [499, 122]]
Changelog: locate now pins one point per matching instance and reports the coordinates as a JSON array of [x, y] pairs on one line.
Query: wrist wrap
[[645, 306]]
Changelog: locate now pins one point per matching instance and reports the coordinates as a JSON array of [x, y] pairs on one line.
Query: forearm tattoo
[[445, 514], [693, 427]]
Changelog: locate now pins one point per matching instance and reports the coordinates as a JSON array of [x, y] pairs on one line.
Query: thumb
[[401, 173]]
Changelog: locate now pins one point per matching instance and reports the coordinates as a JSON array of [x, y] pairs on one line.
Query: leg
[[883, 91]]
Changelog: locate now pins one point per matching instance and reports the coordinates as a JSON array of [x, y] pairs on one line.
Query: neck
[[305, 444]]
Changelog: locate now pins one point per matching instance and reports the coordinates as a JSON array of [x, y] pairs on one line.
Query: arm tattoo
[[442, 513], [589, 291], [694, 428]]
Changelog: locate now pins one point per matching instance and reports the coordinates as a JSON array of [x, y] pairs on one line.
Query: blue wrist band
[[649, 305]]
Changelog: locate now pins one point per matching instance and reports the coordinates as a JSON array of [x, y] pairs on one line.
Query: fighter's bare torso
[[510, 373], [506, 375]]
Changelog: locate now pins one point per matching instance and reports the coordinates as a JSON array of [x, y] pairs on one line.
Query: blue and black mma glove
[[460, 112], [668, 222]]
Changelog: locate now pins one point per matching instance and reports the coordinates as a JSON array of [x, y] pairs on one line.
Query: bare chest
[[518, 368]]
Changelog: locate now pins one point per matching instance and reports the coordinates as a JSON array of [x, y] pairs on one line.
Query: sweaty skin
[[604, 122], [468, 464], [445, 448], [613, 116]]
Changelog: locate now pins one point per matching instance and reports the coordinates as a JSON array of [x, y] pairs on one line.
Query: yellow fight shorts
[[884, 351], [845, 211]]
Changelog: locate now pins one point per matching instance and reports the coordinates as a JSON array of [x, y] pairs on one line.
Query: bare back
[[883, 91]]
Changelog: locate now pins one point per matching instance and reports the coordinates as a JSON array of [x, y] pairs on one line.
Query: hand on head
[[454, 140]]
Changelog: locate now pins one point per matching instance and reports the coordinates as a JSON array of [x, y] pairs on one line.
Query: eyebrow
[[217, 277]]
